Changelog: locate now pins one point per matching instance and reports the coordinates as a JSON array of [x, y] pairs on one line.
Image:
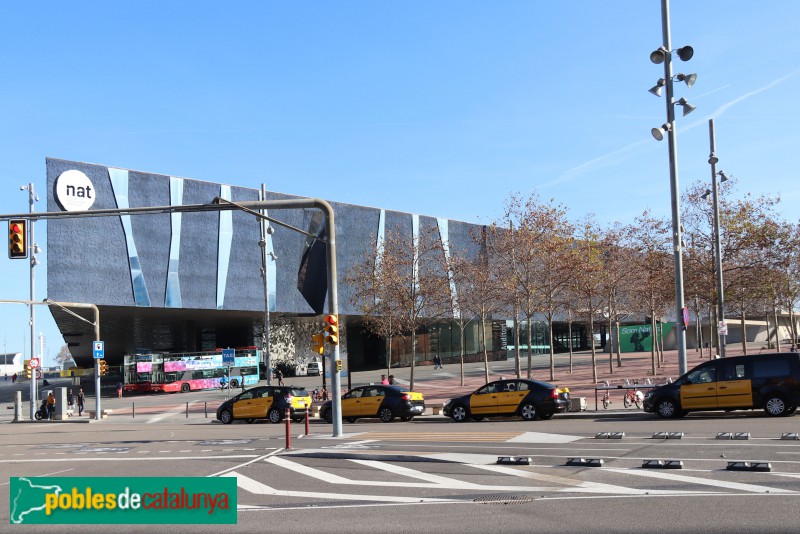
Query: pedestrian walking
[[81, 399], [51, 406], [14, 378], [119, 390], [437, 362], [70, 403], [384, 380], [391, 380], [279, 376]]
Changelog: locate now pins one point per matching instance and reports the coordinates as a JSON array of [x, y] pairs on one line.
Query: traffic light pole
[[252, 208]]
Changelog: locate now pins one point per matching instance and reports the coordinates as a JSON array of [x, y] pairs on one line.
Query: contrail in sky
[[611, 158]]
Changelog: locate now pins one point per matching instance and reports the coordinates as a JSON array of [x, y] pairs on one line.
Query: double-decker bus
[[154, 371]]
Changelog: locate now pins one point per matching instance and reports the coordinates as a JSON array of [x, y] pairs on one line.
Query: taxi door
[[351, 403], [484, 401], [699, 390], [509, 397], [243, 405], [734, 388], [371, 401]]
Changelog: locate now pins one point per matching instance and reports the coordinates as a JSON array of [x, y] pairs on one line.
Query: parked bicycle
[[633, 395]]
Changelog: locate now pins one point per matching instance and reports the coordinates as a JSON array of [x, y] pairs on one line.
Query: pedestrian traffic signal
[[28, 369], [338, 366], [18, 238], [318, 343], [332, 329], [103, 367]]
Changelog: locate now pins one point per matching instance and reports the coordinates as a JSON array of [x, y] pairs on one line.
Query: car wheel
[[386, 414], [234, 383], [459, 413], [666, 408], [328, 416], [274, 416], [185, 388], [351, 419], [478, 417], [407, 418], [546, 416], [250, 421], [528, 411], [776, 406], [226, 417]]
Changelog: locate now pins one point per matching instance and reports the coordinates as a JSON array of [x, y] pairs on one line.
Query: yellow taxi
[[265, 402], [383, 402]]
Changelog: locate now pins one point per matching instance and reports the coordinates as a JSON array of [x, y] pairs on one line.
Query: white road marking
[[702, 481], [542, 437], [257, 488], [134, 459]]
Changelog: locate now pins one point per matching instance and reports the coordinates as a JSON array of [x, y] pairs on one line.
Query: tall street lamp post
[[714, 193], [664, 55]]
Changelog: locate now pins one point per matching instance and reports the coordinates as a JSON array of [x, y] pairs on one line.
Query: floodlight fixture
[[687, 107], [713, 159], [658, 133], [685, 53], [705, 195], [722, 176], [656, 89], [658, 56], [688, 79]]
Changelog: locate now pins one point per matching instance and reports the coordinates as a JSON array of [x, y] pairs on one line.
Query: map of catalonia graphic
[[28, 499]]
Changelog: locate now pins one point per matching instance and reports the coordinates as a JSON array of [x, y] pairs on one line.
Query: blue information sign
[[228, 357], [99, 350]]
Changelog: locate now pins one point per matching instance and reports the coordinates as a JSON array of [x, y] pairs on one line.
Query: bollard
[[133, 410], [187, 410], [205, 408], [307, 431], [288, 429]]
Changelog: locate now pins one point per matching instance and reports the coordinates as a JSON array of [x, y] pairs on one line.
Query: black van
[[768, 381]]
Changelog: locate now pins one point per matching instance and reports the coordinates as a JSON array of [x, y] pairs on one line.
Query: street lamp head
[[688, 79], [687, 107], [658, 133], [656, 89], [658, 56], [686, 53], [722, 176], [705, 195], [713, 159]]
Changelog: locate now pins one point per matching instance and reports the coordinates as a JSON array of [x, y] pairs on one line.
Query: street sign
[[228, 357], [34, 363], [723, 328], [38, 374], [99, 350], [686, 317]]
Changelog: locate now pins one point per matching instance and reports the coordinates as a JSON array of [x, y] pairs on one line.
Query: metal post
[[712, 159], [680, 331], [32, 320], [133, 410], [187, 410], [288, 429], [267, 357], [307, 422]]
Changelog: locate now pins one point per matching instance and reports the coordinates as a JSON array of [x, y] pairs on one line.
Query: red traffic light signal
[[18, 238], [332, 329]]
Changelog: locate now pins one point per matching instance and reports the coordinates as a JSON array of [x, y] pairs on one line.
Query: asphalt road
[[432, 475]]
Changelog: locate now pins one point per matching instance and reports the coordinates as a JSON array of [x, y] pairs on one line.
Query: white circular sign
[[74, 191]]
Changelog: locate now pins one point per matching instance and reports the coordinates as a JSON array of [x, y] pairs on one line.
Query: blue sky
[[441, 108]]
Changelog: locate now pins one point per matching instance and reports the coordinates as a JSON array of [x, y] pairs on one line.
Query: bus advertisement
[[164, 372]]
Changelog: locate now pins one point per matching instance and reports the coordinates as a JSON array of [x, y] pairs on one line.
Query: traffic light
[[18, 238], [332, 329], [338, 366], [28, 370], [318, 343], [103, 367]]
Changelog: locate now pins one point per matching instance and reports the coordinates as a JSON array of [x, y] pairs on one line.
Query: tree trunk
[[463, 327], [389, 355], [610, 342], [485, 354], [517, 367], [744, 333], [530, 344], [777, 328], [654, 342], [619, 354], [591, 344], [569, 330], [413, 357], [552, 354]]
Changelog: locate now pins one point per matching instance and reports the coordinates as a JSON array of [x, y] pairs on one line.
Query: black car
[[384, 402], [529, 399]]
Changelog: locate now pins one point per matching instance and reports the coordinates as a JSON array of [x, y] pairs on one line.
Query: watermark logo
[[122, 500]]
